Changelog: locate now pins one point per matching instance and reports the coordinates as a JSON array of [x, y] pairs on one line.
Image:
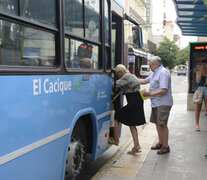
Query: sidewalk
[[186, 161]]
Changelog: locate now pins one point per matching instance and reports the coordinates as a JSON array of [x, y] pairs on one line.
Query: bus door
[[117, 53], [117, 40]]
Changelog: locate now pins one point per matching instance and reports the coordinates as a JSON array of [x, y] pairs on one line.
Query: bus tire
[[76, 152]]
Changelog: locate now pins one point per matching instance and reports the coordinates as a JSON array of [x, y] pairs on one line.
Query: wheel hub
[[75, 158]]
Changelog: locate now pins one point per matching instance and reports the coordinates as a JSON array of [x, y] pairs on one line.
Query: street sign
[[131, 59]]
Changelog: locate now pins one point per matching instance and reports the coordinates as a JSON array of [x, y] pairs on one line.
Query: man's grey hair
[[156, 60]]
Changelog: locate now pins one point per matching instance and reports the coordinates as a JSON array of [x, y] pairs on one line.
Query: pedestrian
[[201, 80], [132, 114], [160, 94]]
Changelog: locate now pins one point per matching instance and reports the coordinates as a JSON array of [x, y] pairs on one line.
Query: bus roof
[[120, 3], [118, 7]]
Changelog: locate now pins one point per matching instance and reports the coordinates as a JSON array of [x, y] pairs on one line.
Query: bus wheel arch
[[81, 143]]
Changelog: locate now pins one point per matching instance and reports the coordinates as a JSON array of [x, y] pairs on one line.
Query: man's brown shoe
[[156, 146], [164, 150]]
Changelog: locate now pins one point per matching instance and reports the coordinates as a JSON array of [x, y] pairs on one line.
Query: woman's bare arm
[[199, 74]]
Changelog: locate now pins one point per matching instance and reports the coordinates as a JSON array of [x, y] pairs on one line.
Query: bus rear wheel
[[76, 153]]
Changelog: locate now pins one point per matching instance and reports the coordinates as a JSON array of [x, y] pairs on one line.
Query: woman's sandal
[[135, 150], [156, 146], [112, 141], [164, 150]]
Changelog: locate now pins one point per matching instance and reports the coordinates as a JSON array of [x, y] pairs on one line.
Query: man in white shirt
[[160, 94]]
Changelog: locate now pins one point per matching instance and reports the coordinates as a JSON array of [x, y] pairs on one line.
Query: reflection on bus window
[[92, 19], [89, 26], [81, 55], [31, 9], [113, 45], [24, 46], [36, 10], [9, 6], [74, 17], [106, 22]]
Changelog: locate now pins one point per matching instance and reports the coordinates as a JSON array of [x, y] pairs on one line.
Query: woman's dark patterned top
[[129, 83]]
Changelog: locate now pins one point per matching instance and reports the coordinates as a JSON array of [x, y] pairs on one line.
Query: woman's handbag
[[198, 96]]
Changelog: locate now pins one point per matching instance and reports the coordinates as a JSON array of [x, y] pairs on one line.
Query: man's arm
[[143, 81], [156, 93]]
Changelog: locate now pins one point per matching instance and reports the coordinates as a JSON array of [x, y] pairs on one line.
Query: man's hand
[[146, 94], [142, 81], [155, 93]]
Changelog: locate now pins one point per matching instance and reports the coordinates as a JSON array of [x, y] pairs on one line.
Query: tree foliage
[[182, 56], [205, 1], [167, 51]]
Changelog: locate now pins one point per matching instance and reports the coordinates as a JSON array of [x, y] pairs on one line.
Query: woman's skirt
[[133, 113]]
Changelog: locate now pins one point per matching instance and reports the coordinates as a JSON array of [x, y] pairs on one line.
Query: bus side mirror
[[137, 37]]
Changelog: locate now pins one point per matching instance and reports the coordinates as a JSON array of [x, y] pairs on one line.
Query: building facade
[[158, 21], [139, 11]]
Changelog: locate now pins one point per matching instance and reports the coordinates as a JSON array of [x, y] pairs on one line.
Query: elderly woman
[[132, 114]]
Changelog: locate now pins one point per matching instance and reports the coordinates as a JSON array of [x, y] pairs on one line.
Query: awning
[[131, 20], [136, 52], [192, 17]]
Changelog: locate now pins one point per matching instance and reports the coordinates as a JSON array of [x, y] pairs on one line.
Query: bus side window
[[85, 23], [35, 11], [79, 54], [7, 43], [25, 46], [7, 51], [9, 6]]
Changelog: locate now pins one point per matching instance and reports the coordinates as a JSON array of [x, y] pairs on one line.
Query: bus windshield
[[181, 70]]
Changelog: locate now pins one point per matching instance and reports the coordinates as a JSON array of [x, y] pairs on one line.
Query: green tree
[[167, 51], [205, 1], [182, 56]]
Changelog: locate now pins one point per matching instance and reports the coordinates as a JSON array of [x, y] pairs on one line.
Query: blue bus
[[56, 62], [182, 69]]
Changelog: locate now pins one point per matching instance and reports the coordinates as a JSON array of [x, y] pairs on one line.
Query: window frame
[[76, 38], [60, 35], [22, 21], [100, 45], [82, 69], [109, 44]]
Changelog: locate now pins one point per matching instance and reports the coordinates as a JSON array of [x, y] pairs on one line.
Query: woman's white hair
[[120, 68], [156, 60]]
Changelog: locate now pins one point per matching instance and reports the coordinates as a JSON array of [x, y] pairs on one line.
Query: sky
[[171, 16]]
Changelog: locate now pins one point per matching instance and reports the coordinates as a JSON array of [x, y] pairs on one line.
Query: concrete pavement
[[186, 161]]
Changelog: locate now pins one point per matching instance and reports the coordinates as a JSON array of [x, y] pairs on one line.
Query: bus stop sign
[[131, 59]]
